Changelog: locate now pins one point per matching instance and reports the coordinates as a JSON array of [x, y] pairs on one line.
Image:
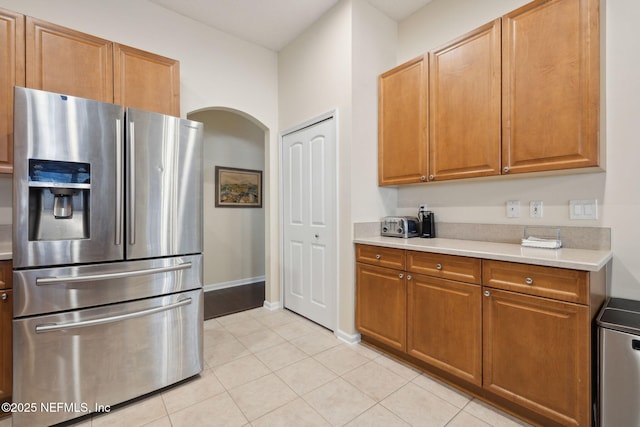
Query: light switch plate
[[513, 208], [583, 209], [535, 209]]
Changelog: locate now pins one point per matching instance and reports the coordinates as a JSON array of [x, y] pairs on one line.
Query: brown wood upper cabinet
[[146, 81], [551, 84], [402, 124], [66, 61], [519, 94], [41, 55], [464, 106], [11, 74]]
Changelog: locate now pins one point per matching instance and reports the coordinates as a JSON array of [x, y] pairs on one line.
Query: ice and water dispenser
[[59, 200]]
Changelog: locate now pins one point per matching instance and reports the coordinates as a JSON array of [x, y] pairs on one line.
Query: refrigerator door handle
[[132, 184], [118, 240], [52, 327], [106, 276]]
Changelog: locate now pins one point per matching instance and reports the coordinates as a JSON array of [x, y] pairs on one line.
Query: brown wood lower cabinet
[[382, 304], [537, 354], [6, 331], [516, 335], [445, 325]]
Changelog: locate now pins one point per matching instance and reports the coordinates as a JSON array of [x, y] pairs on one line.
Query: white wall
[[233, 237], [216, 70], [334, 65], [314, 78], [617, 190], [373, 52]]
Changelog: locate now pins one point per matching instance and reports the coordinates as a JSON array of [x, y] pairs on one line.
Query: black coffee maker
[[427, 223]]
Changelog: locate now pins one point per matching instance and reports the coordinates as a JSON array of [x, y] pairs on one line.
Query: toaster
[[399, 226]]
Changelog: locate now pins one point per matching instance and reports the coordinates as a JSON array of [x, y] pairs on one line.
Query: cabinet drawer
[[6, 275], [550, 282], [383, 257], [452, 267]]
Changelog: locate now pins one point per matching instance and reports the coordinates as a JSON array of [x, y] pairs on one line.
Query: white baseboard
[[233, 283], [276, 305], [348, 338]]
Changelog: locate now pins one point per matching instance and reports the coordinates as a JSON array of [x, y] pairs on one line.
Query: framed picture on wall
[[238, 188]]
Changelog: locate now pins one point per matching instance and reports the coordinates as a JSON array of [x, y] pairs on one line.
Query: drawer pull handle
[[401, 275], [378, 256], [438, 266], [528, 281], [4, 296], [486, 293]]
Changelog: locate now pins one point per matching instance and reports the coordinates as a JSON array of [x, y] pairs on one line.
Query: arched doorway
[[234, 237]]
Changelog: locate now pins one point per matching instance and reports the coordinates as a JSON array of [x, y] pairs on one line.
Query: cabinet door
[[6, 348], [381, 304], [537, 354], [65, 61], [464, 106], [146, 81], [551, 86], [445, 325], [402, 124], [11, 73]]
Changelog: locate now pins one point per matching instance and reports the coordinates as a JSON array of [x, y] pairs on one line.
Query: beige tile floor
[[275, 368]]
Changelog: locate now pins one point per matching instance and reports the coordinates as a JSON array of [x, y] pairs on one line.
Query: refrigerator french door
[[107, 243]]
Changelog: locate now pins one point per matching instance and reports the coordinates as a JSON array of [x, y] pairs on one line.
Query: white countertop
[[577, 259]]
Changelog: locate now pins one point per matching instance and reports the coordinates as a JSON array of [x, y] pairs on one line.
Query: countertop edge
[[576, 259]]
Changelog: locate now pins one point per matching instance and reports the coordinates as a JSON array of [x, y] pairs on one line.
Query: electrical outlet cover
[[513, 208]]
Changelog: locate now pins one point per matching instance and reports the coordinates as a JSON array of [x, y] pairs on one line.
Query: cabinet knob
[[486, 293], [528, 281], [378, 256], [431, 177], [506, 169], [423, 178], [401, 275], [4, 296], [408, 277], [438, 266]]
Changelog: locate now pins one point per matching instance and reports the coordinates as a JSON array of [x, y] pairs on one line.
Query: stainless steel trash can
[[619, 363]]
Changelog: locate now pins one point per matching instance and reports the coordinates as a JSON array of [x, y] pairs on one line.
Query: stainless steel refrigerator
[[107, 242]]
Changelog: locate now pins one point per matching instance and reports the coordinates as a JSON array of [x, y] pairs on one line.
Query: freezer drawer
[[50, 290], [86, 359]]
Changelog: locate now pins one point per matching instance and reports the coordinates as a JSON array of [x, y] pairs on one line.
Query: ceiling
[[272, 23]]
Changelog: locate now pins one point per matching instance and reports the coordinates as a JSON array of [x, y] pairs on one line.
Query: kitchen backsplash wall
[[483, 200], [594, 238], [6, 194]]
